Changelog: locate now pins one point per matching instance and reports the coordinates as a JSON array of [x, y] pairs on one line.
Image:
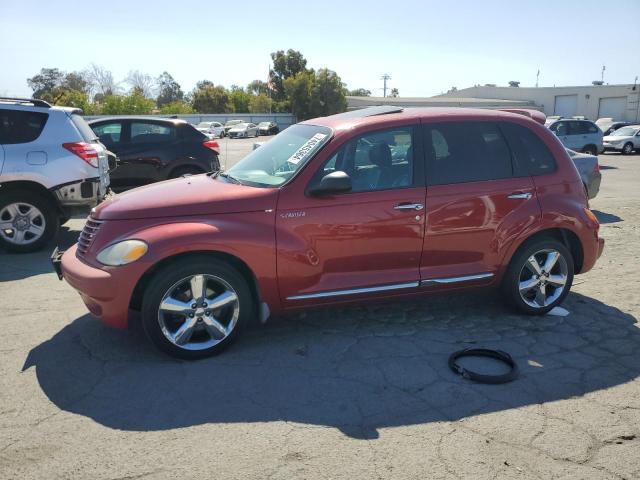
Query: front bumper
[[610, 146], [106, 294]]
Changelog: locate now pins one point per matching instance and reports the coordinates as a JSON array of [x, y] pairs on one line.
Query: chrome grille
[[88, 234]]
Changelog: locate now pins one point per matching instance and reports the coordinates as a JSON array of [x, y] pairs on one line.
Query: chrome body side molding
[[465, 278], [354, 291]]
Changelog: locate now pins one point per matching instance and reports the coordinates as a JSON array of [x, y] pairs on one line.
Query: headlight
[[122, 253]]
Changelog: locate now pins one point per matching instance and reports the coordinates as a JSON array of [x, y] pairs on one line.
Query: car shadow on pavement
[[16, 266], [605, 218], [357, 369]]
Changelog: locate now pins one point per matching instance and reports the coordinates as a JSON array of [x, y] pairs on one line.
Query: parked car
[[51, 164], [211, 129], [589, 170], [328, 212], [268, 128], [579, 135], [244, 130], [608, 125], [154, 149], [230, 124], [625, 140]]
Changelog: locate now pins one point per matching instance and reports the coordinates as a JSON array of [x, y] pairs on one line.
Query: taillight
[[597, 167], [212, 145], [83, 150]]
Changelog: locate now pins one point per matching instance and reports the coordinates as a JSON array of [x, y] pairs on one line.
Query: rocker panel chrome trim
[[354, 291], [465, 278]]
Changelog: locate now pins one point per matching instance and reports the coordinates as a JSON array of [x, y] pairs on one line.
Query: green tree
[[176, 107], [394, 93], [260, 104], [44, 82], [256, 87], [169, 90], [359, 92], [239, 99], [207, 98], [73, 98], [76, 81], [327, 94], [285, 65], [132, 104], [298, 90]]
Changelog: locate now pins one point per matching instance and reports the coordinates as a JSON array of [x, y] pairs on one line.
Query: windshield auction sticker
[[307, 149]]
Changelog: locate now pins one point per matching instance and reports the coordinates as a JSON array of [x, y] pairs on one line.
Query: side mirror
[[334, 182]]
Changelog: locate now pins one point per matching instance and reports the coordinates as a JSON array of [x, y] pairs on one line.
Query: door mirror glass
[[334, 182]]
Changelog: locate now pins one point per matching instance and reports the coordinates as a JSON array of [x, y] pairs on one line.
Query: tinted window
[[143, 132], [466, 152], [531, 154], [83, 127], [592, 128], [20, 126], [108, 133]]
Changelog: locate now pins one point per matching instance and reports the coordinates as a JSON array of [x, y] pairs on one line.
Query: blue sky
[[426, 46]]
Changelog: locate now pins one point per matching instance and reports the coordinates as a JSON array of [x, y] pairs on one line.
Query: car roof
[[381, 115], [173, 121]]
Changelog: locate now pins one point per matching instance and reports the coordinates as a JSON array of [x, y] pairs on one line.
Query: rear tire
[[590, 149], [168, 307], [28, 221], [539, 276], [627, 149]]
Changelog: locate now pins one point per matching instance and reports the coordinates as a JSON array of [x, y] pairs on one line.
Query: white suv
[[50, 164]]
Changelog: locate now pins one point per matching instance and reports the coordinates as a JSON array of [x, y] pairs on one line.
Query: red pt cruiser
[[376, 203]]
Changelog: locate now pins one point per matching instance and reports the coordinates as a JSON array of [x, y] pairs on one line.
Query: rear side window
[[592, 127], [83, 127], [466, 152], [108, 133], [143, 132], [190, 132], [20, 126], [531, 155]]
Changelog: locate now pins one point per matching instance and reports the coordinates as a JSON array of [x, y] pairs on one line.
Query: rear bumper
[[106, 294], [593, 187]]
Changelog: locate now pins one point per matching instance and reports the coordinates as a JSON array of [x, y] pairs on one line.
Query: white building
[[620, 102]]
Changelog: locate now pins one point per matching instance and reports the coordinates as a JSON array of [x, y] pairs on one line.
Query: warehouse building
[[620, 102]]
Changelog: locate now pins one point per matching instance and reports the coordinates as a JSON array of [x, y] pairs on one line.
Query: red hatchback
[[370, 204]]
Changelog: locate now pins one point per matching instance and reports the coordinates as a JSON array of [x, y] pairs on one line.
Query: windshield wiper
[[231, 178]]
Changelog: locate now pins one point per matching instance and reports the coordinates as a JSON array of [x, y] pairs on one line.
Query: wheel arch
[[30, 186], [567, 237], [135, 302]]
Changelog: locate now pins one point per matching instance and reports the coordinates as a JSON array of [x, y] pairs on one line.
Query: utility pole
[[635, 87], [602, 74], [537, 77], [385, 77]]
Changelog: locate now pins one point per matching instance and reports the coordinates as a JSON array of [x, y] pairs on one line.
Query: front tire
[[539, 276], [627, 149], [194, 308], [28, 221]]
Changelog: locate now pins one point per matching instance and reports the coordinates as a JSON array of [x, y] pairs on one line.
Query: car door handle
[[409, 206], [520, 195]]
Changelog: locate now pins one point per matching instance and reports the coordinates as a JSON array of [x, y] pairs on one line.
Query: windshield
[[625, 132], [264, 124], [233, 122], [203, 125], [279, 159]]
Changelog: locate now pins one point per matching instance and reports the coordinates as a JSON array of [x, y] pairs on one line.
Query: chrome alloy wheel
[[21, 223], [543, 278], [198, 312]]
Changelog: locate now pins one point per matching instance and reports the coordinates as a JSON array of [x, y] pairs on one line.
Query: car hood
[[612, 138], [185, 196], [238, 129]]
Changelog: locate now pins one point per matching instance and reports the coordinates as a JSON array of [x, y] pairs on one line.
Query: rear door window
[[532, 157], [461, 152], [148, 132], [21, 126], [109, 133]]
